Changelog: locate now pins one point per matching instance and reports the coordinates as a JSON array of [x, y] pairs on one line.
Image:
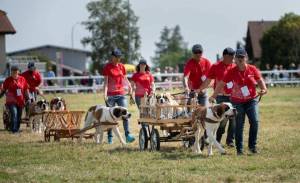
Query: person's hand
[[262, 92], [105, 97], [131, 100], [187, 90], [212, 100]]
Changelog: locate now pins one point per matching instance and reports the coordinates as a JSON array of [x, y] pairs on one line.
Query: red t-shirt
[[217, 72], [33, 79], [15, 90], [116, 74], [243, 83], [196, 71], [143, 82]]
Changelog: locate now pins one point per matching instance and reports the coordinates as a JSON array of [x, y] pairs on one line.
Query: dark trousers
[[15, 117], [222, 127], [250, 109]]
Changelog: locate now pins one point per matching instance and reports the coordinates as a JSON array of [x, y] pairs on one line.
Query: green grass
[[26, 158]]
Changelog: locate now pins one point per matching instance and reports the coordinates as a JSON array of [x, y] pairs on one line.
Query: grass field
[[26, 158]]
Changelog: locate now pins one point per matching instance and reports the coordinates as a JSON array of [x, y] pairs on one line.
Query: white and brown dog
[[58, 104], [209, 118], [35, 114], [109, 117]]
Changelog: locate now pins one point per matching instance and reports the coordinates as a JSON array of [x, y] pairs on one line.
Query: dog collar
[[112, 117], [210, 120]]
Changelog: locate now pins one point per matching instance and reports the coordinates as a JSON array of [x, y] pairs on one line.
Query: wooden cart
[[62, 124], [177, 126]]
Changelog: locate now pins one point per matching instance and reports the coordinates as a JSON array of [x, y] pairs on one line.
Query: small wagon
[[62, 124], [174, 121]]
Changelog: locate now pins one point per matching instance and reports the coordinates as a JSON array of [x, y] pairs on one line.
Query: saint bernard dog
[[58, 104], [35, 114], [209, 118], [109, 117]]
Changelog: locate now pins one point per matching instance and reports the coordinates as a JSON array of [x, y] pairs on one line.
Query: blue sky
[[215, 24]]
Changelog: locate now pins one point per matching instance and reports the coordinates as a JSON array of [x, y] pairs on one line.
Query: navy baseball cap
[[197, 48], [228, 51], [31, 65], [142, 61], [116, 52], [241, 52], [14, 68]]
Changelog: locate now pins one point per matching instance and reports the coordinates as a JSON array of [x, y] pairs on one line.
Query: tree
[[171, 49], [280, 45], [109, 23]]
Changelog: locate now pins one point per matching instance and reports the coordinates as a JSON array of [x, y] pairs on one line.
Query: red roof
[[256, 30], [5, 25]]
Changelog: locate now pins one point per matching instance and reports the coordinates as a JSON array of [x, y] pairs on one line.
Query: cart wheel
[[47, 136], [56, 137], [143, 139], [154, 140]]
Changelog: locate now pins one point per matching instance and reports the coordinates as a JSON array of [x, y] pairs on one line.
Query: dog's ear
[[98, 114], [225, 106], [117, 112], [220, 110]]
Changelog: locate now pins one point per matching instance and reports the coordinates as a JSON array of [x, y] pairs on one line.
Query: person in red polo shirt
[[242, 80], [115, 82], [142, 81], [16, 89], [195, 72], [33, 78], [217, 73]]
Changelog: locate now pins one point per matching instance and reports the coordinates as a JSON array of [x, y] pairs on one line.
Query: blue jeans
[[15, 117], [250, 109], [138, 103], [119, 100], [231, 126]]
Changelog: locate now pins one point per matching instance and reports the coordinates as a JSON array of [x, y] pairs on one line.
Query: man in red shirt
[[195, 72], [115, 82], [16, 89], [33, 78], [217, 73], [242, 80]]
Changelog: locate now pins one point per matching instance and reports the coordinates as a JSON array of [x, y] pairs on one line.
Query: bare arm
[[133, 87], [105, 87], [185, 83], [129, 86], [262, 86], [219, 87]]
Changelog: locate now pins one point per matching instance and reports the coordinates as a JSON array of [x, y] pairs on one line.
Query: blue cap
[[241, 52], [142, 61], [31, 65], [14, 68], [228, 51], [197, 48], [116, 52]]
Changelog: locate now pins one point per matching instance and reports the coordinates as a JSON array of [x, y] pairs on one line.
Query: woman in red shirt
[[16, 89], [115, 82], [242, 80], [142, 81]]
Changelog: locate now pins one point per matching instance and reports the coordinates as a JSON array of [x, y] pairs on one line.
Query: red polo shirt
[[33, 79], [116, 74], [15, 90], [243, 83], [197, 71], [217, 72], [143, 82]]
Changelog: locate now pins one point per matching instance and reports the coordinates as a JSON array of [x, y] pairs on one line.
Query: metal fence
[[74, 84]]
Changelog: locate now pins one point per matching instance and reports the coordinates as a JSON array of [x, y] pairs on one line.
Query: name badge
[[245, 91], [19, 92], [229, 85], [203, 78]]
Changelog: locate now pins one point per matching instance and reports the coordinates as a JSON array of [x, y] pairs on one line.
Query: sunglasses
[[197, 52]]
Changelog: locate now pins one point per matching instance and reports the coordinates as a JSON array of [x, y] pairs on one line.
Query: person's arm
[[262, 86], [133, 87], [185, 84], [105, 87], [218, 89], [129, 86], [204, 85], [153, 88]]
